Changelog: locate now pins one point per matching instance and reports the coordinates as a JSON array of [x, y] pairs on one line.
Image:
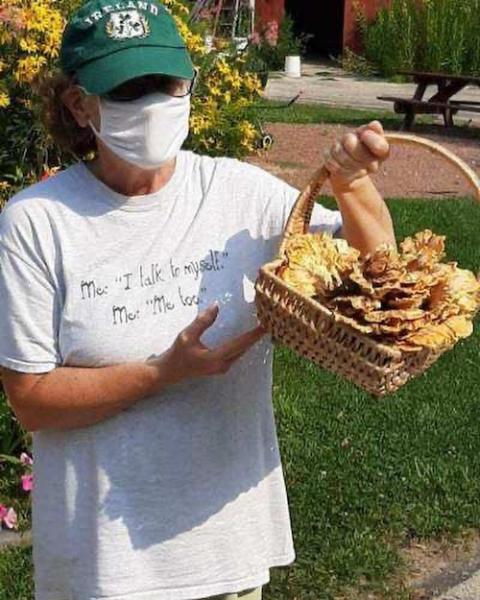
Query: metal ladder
[[227, 15]]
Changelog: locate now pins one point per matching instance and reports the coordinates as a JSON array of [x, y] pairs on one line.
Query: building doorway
[[324, 20]]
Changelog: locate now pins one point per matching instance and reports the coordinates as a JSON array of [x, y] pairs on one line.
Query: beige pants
[[255, 594]]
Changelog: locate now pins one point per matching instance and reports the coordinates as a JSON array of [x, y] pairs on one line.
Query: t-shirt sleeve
[[29, 317], [282, 198]]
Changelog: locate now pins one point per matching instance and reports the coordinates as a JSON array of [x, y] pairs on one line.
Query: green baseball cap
[[107, 43]]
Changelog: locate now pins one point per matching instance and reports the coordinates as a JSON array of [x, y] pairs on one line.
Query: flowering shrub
[[8, 517], [30, 36], [269, 46], [29, 39], [15, 513]]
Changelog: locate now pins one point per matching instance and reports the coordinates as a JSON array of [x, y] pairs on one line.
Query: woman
[[129, 341]]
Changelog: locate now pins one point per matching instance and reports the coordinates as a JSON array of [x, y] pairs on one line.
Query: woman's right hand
[[188, 357], [70, 397]]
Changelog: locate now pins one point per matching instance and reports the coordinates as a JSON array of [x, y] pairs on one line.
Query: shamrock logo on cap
[[126, 25]]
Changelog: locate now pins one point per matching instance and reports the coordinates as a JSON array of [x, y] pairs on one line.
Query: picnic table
[[440, 102]]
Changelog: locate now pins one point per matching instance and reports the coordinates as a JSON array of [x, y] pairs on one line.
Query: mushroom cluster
[[408, 297]]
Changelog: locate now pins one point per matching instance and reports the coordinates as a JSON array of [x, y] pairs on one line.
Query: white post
[[235, 19], [252, 13]]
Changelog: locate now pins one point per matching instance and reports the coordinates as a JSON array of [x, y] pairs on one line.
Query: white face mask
[[146, 132]]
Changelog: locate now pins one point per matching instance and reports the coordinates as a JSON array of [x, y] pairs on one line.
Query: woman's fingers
[[347, 160], [375, 126], [198, 327], [358, 154], [190, 358], [375, 143], [237, 346], [343, 156]]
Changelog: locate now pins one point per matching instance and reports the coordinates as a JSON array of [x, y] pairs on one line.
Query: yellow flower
[[29, 67], [6, 37], [248, 130], [28, 44], [31, 43], [4, 100], [215, 90], [222, 67], [252, 83], [176, 7]]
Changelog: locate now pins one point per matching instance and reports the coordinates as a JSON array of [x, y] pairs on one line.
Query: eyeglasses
[[150, 84]]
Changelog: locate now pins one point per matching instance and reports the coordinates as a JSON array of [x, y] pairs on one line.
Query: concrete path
[[453, 576], [330, 85], [13, 538], [468, 590]]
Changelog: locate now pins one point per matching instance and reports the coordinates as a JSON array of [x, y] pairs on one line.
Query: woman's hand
[[357, 155], [73, 397], [189, 357]]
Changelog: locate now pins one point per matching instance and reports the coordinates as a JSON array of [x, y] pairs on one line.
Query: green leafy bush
[[428, 35], [30, 36]]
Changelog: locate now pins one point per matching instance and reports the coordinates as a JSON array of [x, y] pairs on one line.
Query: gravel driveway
[[409, 172]]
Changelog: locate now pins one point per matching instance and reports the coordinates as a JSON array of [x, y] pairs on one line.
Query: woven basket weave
[[310, 329]]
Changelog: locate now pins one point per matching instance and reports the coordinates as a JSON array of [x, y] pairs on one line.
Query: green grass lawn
[[16, 574], [364, 475], [272, 112]]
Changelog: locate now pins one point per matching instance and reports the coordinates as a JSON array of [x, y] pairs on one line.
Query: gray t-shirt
[[181, 496]]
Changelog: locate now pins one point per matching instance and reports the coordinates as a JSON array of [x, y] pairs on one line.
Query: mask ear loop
[[74, 81], [92, 126]]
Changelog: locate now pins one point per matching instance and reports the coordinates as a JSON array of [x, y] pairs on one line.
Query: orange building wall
[[269, 10]]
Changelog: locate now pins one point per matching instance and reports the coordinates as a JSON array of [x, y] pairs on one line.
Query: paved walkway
[[330, 85], [469, 590], [13, 538]]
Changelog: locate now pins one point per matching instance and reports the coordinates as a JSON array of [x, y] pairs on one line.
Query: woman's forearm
[[71, 397], [366, 219]]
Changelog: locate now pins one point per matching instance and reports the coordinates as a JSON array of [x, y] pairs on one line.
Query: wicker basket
[[309, 328]]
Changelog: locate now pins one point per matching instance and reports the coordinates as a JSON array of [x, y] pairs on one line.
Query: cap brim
[[102, 75]]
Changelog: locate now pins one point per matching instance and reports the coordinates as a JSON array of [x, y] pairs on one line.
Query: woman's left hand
[[357, 154]]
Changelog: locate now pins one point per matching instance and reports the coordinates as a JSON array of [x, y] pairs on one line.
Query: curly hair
[[58, 120]]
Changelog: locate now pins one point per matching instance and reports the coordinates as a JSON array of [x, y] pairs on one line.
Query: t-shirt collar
[[142, 202]]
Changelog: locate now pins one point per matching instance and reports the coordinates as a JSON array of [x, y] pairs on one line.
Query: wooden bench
[[440, 103]]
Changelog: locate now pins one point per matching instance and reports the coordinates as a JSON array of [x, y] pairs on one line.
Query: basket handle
[[299, 219]]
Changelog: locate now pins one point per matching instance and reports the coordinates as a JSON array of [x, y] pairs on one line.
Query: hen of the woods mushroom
[[407, 298]]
